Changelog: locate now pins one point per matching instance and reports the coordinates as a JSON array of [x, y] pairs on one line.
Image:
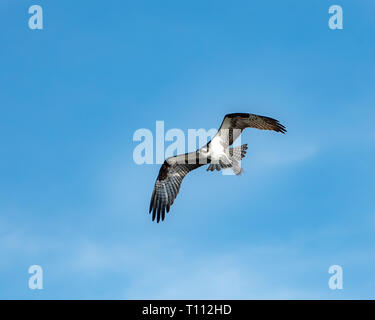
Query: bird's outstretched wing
[[168, 182], [234, 123]]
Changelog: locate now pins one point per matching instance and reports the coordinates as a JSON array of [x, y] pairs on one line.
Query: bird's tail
[[237, 153], [237, 169]]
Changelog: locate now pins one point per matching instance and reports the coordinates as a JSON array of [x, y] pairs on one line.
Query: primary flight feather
[[216, 153]]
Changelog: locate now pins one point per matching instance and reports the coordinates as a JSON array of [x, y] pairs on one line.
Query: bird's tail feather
[[238, 153], [237, 169]]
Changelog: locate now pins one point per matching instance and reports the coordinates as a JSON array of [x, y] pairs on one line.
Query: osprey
[[216, 153]]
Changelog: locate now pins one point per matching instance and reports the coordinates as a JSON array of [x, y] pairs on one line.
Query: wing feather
[[168, 184], [234, 123]]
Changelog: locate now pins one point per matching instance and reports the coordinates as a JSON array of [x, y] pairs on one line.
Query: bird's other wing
[[168, 182], [234, 123]]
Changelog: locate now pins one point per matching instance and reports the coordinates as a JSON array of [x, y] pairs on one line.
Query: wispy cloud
[[276, 156], [161, 269]]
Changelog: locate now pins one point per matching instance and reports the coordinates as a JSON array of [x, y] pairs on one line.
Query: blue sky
[[73, 201]]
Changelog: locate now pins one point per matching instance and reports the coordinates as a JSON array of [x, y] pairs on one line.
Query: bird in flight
[[216, 153]]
